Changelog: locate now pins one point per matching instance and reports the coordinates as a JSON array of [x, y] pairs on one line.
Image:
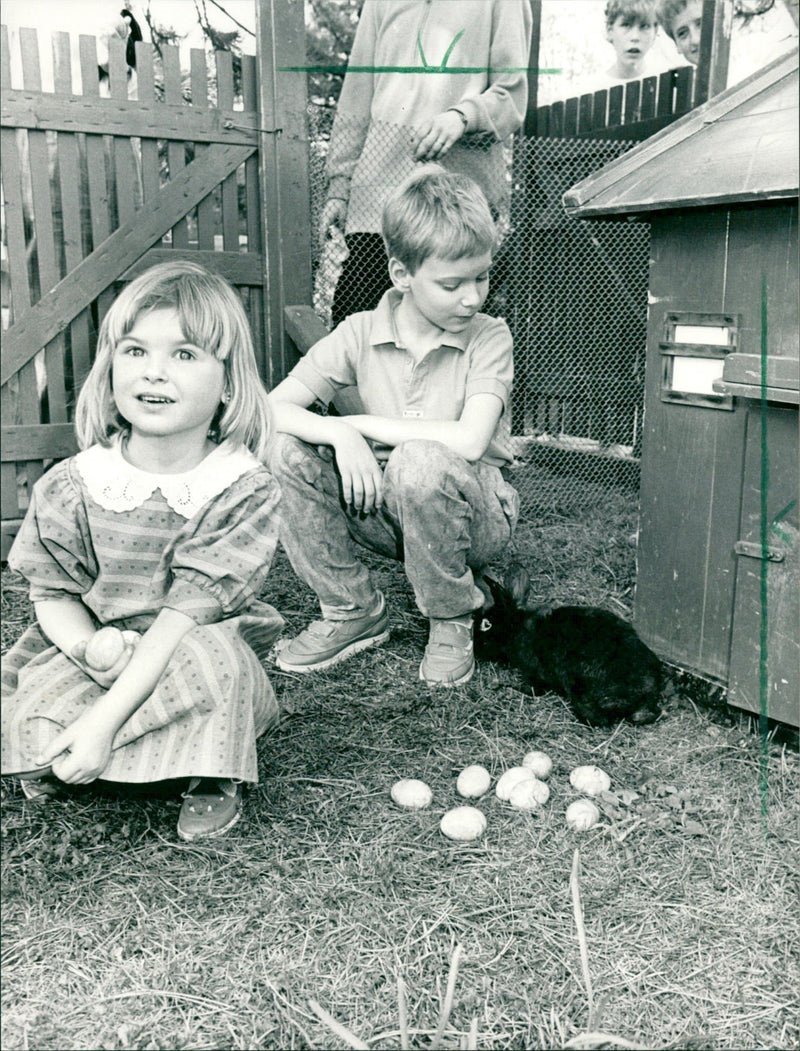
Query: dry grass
[[329, 918]]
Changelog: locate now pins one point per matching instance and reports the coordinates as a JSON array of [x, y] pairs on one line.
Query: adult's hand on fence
[[333, 214], [433, 138], [362, 478]]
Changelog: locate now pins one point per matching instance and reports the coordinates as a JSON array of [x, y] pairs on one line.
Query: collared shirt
[[365, 352]]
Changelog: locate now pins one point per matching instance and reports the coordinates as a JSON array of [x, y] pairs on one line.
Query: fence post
[[715, 43], [283, 170], [533, 69]]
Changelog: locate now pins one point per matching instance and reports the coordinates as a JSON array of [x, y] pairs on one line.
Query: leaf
[[693, 828], [665, 790], [628, 796]]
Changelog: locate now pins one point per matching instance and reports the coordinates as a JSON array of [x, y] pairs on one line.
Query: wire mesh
[[573, 292]]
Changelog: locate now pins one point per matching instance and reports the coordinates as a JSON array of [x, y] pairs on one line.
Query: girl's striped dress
[[127, 543]]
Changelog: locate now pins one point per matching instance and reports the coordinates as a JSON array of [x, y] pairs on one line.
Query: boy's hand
[[433, 138], [80, 753], [362, 478]]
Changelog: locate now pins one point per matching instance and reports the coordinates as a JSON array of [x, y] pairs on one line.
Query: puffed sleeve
[[53, 549], [220, 561]]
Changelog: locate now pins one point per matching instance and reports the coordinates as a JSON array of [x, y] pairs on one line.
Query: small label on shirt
[[412, 414]]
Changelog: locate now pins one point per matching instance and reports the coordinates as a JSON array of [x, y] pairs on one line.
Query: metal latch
[[749, 550]]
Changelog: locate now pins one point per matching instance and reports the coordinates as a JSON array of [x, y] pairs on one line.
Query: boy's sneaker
[[326, 642], [449, 659], [210, 807]]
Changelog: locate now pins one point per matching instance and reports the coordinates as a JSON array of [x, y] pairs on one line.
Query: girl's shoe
[[210, 807], [41, 791]]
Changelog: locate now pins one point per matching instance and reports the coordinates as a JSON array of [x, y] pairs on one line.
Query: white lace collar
[[117, 485]]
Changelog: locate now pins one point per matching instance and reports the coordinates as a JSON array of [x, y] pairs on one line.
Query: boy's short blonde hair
[[638, 10], [668, 11], [212, 317], [436, 212]]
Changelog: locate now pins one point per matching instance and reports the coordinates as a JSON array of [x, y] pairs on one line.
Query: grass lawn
[[679, 930]]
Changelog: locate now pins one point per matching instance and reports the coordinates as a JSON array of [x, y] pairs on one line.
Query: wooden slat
[[531, 115], [44, 441], [303, 327], [684, 86], [17, 273], [37, 160], [557, 120], [176, 151], [585, 107], [115, 255], [240, 268], [631, 109], [77, 366], [570, 118], [600, 109], [126, 165], [199, 83], [665, 104], [228, 190], [99, 210], [615, 99], [252, 201], [543, 121], [146, 119], [254, 222], [648, 98], [145, 86]]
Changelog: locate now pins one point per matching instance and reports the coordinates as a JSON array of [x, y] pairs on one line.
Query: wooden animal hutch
[[717, 590]]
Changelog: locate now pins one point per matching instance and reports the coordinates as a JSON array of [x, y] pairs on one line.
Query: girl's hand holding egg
[[106, 654]]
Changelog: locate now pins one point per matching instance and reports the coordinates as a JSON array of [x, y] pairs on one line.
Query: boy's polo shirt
[[364, 352]]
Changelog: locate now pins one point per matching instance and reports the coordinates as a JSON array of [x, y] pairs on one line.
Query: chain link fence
[[573, 292]]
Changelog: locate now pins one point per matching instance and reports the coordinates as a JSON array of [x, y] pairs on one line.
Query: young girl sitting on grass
[[164, 525]]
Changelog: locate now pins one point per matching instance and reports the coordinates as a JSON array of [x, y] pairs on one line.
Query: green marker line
[[417, 69], [764, 524]]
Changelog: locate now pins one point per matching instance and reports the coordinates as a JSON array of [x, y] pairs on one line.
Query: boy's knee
[[419, 466], [289, 457]]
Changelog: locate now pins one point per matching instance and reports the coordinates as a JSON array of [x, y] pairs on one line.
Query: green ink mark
[[449, 51], [421, 50], [775, 528], [763, 664], [460, 70]]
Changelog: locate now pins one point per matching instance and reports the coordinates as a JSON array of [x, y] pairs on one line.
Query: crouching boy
[[417, 476]]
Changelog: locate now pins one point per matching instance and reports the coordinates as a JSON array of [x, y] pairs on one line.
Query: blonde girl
[[164, 527]]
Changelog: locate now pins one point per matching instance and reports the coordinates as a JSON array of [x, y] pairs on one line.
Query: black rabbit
[[591, 657]]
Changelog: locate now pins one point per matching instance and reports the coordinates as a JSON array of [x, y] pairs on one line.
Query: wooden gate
[[97, 189]]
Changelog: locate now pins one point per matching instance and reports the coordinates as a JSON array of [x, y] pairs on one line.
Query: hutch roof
[[741, 146]]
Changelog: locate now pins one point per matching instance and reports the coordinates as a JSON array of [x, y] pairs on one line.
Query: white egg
[[473, 781], [412, 794], [590, 780], [529, 794], [463, 823], [510, 778], [582, 814], [539, 763]]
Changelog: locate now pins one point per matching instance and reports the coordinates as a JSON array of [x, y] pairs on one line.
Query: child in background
[[417, 477], [631, 28], [682, 21], [164, 525]]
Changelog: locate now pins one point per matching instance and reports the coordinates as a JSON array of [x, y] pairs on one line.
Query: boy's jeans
[[442, 516]]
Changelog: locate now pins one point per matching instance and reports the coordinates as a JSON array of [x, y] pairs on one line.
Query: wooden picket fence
[[96, 189], [631, 111]]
